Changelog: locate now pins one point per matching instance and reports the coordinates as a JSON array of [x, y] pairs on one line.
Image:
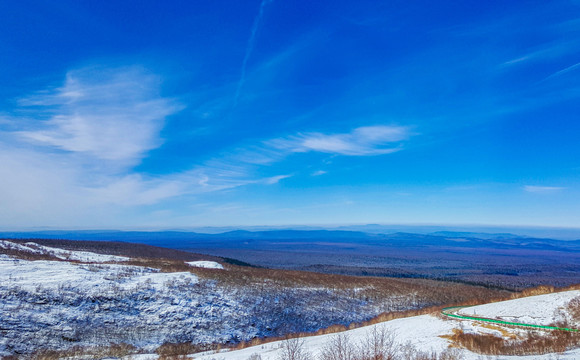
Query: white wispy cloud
[[135, 190], [71, 158], [543, 189], [239, 166], [249, 49], [546, 52], [108, 114], [362, 141], [69, 151], [275, 179], [563, 71]]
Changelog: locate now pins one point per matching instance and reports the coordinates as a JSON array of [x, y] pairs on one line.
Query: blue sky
[[136, 114]]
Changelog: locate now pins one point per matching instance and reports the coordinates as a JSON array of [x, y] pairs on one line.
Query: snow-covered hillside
[[93, 301], [89, 279], [430, 333], [54, 304]]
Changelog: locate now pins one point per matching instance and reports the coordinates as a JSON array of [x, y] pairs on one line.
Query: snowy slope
[[86, 278], [420, 331], [59, 304], [540, 310], [83, 256], [425, 332], [56, 303]]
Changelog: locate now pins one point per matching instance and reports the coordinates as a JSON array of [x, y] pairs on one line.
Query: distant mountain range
[[184, 239], [479, 235]]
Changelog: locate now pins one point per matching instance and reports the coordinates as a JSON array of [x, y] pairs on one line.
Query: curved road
[[452, 312]]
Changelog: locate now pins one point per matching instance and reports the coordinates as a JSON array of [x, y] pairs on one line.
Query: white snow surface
[[83, 256], [89, 279], [539, 310], [420, 331], [205, 264]]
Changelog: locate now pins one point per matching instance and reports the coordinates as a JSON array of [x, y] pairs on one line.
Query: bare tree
[[378, 344], [255, 356], [339, 348], [294, 349], [451, 354]]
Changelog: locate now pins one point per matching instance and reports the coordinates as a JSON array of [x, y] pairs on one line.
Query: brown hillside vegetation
[[574, 308], [431, 292], [535, 343]]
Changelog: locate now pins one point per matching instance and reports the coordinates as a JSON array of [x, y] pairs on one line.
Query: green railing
[[445, 312]]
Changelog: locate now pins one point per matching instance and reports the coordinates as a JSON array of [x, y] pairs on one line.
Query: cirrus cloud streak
[[362, 141], [543, 189]]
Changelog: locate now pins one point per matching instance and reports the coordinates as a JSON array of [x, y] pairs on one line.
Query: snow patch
[[205, 264]]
